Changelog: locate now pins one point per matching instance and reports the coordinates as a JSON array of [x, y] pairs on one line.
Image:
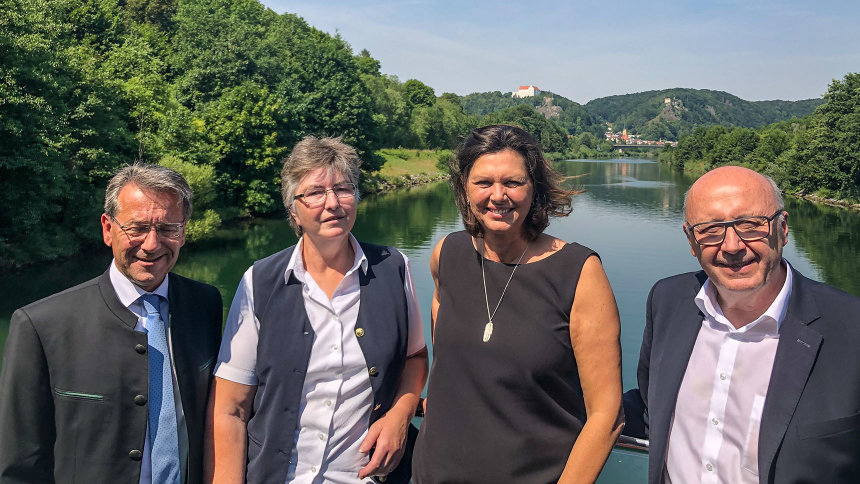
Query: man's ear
[[783, 227], [106, 226]]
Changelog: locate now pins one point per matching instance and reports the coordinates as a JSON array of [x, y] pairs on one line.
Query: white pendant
[[488, 331]]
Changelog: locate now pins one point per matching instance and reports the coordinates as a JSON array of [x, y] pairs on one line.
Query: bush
[[202, 227]]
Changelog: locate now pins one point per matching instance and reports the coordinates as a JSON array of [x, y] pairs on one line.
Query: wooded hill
[[568, 114], [650, 115]]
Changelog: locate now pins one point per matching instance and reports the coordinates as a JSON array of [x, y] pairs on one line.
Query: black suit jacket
[[74, 378], [810, 428]]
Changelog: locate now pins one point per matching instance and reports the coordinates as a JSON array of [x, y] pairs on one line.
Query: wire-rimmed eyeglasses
[[749, 229], [315, 196], [138, 231]]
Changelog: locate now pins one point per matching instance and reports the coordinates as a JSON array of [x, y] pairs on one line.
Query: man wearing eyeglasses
[[749, 372], [108, 381]]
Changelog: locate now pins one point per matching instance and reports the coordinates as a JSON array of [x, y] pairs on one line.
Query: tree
[[63, 128], [318, 79], [217, 45], [244, 129], [418, 94], [551, 136], [138, 71], [390, 113], [367, 64], [156, 13], [733, 147]]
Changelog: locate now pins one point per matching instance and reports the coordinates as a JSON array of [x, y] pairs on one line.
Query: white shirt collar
[[297, 266], [706, 299], [127, 291]]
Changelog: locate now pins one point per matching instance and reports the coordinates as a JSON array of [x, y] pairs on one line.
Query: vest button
[[140, 349], [359, 332], [135, 454], [140, 400], [372, 370], [381, 478]]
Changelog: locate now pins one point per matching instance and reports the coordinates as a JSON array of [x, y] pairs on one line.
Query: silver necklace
[[488, 328]]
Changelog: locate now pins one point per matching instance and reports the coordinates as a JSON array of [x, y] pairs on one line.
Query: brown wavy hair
[[550, 200]]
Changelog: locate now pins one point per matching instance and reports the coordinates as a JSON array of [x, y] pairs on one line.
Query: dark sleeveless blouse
[[508, 410]]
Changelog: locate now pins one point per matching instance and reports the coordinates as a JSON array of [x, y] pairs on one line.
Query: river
[[630, 212]]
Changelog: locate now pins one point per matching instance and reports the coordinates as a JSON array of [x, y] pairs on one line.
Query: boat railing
[[632, 443]]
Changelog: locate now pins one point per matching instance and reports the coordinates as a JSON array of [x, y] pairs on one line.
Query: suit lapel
[[795, 356], [671, 366], [123, 314], [182, 339]]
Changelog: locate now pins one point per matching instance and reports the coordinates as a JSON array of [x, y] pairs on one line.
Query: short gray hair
[[148, 177], [777, 195], [313, 153]]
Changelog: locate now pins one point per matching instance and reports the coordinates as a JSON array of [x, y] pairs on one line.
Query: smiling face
[[144, 262], [331, 220], [735, 267], [500, 191]]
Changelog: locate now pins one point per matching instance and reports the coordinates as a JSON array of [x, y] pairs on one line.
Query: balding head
[[727, 177]]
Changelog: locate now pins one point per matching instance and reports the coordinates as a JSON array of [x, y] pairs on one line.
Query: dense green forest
[[568, 114], [815, 155], [648, 113], [219, 90]]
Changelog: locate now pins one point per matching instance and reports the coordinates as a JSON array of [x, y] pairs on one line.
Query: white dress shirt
[[714, 433], [337, 397], [129, 295]]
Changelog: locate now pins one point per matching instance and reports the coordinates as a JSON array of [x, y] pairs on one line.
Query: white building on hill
[[526, 91]]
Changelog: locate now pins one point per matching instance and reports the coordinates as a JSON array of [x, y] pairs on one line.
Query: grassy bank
[[406, 167]]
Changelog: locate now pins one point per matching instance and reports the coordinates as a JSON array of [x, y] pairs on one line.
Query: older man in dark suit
[[108, 381], [749, 372]]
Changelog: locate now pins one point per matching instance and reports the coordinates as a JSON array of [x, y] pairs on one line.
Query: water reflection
[[644, 187], [830, 238], [407, 218]]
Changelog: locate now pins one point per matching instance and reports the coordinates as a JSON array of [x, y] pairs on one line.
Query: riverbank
[[697, 169], [407, 167], [833, 202]]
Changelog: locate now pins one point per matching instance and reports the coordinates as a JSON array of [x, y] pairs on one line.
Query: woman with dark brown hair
[[526, 377]]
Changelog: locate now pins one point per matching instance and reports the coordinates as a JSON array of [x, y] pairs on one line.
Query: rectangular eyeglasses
[[139, 231], [315, 196], [749, 229]]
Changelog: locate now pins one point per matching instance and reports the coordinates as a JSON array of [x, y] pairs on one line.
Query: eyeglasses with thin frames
[[138, 231], [315, 197], [748, 229]]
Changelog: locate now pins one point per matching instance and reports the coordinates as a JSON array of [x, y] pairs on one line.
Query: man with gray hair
[[749, 372], [108, 381]]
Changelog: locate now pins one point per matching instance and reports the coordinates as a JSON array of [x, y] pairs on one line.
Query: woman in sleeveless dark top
[[526, 377]]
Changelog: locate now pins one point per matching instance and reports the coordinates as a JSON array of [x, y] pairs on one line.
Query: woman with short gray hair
[[323, 357]]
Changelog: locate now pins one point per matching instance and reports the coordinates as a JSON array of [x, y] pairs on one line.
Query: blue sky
[[584, 50]]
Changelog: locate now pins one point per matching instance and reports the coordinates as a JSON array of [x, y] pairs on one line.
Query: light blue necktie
[[163, 434]]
